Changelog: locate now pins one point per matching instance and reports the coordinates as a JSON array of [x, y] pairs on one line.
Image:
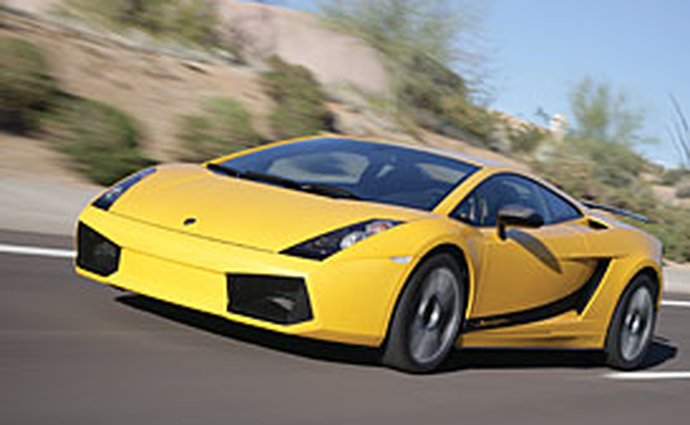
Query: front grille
[[277, 299], [95, 253]]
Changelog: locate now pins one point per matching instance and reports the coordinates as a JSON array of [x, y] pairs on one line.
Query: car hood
[[244, 212]]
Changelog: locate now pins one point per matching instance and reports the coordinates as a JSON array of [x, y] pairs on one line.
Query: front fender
[[410, 244]]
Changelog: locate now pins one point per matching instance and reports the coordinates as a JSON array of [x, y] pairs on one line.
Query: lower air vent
[[277, 299], [96, 253]]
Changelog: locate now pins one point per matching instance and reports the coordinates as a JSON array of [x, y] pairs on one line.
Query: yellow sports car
[[362, 242]]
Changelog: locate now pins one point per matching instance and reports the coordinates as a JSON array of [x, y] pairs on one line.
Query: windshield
[[368, 171]]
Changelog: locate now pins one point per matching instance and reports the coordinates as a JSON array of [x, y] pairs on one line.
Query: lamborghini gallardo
[[412, 250]]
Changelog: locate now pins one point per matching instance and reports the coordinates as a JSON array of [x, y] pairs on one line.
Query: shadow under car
[[473, 358]]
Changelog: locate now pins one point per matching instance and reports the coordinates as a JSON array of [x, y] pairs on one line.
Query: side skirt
[[577, 301]]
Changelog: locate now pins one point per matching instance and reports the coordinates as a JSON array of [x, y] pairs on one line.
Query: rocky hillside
[[297, 37], [157, 84]]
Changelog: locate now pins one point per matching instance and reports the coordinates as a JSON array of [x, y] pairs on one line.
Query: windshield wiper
[[315, 188], [328, 190]]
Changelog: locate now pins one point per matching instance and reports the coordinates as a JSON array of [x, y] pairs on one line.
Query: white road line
[[647, 376], [65, 253], [674, 303], [37, 251]]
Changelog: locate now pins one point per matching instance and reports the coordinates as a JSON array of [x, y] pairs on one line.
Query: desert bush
[[193, 21], [672, 226], [451, 115], [25, 84], [223, 127], [571, 173], [671, 177], [613, 164], [600, 170], [300, 103], [465, 115], [102, 141], [434, 97], [526, 141], [683, 190], [427, 85]]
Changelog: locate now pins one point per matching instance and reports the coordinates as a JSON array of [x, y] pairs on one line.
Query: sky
[[539, 49]]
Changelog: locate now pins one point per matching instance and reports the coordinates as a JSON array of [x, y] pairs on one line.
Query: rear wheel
[[632, 328], [428, 317]]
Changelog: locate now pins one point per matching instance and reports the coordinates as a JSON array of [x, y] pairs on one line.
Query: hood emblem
[[189, 221]]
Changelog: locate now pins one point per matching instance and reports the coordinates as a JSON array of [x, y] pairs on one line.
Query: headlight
[[326, 245], [107, 199]]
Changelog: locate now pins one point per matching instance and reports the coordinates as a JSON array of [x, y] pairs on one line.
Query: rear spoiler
[[617, 211]]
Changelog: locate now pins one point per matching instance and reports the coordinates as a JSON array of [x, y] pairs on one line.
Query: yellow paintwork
[[242, 226]]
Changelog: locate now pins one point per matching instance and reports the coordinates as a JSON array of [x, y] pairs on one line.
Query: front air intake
[[277, 299], [96, 253]]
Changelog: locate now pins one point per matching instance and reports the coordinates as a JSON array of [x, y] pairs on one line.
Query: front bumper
[[349, 300]]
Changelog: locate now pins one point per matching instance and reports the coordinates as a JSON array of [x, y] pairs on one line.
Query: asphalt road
[[74, 352]]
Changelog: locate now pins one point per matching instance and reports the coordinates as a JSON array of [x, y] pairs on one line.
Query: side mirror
[[517, 216]]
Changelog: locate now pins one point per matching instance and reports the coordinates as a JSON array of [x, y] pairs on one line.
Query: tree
[[602, 114]]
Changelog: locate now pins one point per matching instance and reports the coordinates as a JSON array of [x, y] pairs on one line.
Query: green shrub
[[571, 173], [463, 114], [224, 126], [300, 103], [673, 176], [613, 164], [427, 85], [683, 191], [25, 84], [526, 141], [193, 21], [672, 226], [436, 98], [102, 141]]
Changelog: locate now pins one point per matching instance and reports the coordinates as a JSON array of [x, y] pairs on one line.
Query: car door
[[531, 268]]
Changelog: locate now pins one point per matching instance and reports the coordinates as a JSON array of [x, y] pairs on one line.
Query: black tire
[[432, 303], [632, 327]]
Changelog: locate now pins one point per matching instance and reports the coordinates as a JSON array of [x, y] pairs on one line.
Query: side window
[[481, 207], [468, 210], [560, 209]]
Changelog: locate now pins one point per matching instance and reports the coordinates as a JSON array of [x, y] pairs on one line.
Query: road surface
[[74, 352]]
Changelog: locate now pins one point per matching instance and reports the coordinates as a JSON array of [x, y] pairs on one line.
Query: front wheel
[[428, 317], [632, 328]]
